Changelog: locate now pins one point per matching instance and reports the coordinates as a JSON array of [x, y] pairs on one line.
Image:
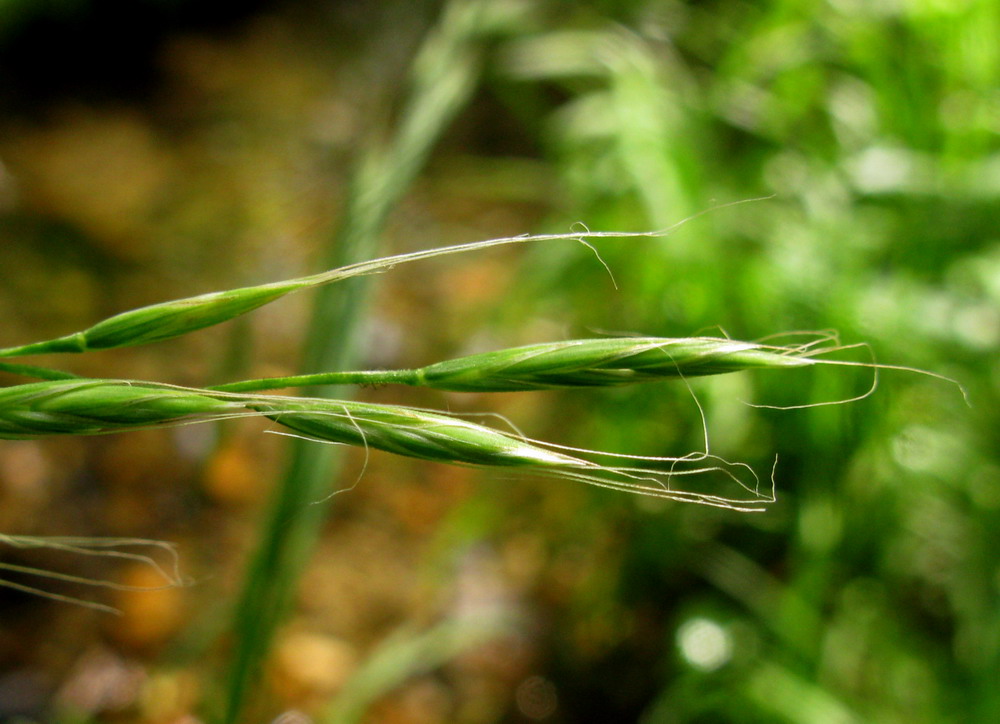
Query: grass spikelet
[[166, 320], [92, 407], [601, 363], [161, 321], [175, 318], [406, 431], [442, 438]]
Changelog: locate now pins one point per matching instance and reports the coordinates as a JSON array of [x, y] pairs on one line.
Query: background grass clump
[[213, 151]]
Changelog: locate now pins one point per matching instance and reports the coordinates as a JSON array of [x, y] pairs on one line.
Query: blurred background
[[156, 149]]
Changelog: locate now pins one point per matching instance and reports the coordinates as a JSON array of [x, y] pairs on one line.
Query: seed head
[[91, 407], [160, 321], [441, 438], [600, 363], [407, 431]]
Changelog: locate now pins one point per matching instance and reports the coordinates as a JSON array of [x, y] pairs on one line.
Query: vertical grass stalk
[[445, 73]]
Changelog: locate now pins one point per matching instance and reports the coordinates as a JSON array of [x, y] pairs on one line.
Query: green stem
[[69, 343], [361, 377], [446, 72], [40, 373]]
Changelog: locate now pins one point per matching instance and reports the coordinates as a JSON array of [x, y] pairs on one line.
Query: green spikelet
[[600, 363], [91, 407], [160, 321], [407, 431]]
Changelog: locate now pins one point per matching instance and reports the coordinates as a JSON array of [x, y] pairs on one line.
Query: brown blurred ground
[[227, 172]]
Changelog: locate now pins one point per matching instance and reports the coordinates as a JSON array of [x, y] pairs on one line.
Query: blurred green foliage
[[870, 592]]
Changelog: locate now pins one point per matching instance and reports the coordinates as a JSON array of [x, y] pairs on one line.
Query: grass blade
[[445, 73]]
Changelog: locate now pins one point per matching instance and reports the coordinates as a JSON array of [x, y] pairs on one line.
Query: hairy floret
[[407, 431]]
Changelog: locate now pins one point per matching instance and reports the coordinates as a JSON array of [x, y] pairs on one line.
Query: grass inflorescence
[[63, 404], [95, 407]]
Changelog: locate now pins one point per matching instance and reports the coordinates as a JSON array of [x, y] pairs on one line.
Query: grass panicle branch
[[445, 73], [35, 372], [95, 407], [166, 320]]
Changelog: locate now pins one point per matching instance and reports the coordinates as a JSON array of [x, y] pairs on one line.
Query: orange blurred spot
[[149, 616], [308, 667], [233, 474]]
